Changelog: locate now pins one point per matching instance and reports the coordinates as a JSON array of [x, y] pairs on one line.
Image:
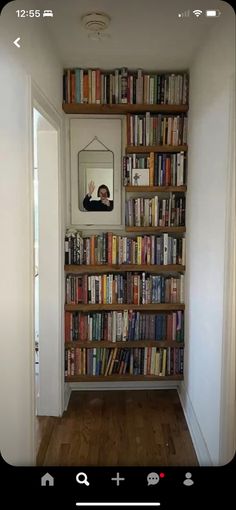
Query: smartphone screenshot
[[118, 251]]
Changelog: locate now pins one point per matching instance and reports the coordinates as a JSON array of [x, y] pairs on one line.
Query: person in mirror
[[104, 204]]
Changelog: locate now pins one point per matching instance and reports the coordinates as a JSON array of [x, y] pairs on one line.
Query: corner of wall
[[198, 440]]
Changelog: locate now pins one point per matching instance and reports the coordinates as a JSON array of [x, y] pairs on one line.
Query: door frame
[[38, 100]]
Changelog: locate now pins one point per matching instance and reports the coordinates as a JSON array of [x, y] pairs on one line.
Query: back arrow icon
[[16, 42]]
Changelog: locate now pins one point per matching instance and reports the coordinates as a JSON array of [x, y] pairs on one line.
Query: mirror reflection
[[96, 178]]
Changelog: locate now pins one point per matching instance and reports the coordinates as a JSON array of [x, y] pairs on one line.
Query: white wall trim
[[199, 443], [31, 266], [228, 390], [124, 385], [45, 107], [67, 394]]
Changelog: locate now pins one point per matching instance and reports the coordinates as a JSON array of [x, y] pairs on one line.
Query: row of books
[[154, 170], [138, 361], [151, 129], [123, 86], [155, 211], [122, 326], [128, 288], [108, 248]]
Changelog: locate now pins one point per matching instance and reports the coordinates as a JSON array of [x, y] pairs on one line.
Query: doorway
[[47, 263]]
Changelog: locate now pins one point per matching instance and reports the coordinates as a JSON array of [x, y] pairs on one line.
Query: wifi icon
[[197, 12]]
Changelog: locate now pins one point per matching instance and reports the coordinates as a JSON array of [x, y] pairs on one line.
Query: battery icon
[[213, 14]]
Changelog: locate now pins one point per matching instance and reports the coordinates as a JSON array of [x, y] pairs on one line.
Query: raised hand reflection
[[104, 204]]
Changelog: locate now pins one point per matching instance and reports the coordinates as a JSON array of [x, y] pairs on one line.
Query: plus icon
[[118, 479]]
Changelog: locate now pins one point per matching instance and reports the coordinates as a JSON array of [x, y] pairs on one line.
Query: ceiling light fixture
[[96, 23]]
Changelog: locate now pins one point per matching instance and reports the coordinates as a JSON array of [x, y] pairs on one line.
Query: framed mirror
[[95, 171], [96, 180]]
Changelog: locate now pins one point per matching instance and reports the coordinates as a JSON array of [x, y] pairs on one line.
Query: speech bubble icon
[[152, 478]]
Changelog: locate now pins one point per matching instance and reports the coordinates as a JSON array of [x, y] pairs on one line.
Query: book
[[140, 176]]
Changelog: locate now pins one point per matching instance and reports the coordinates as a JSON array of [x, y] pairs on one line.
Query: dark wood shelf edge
[[152, 306], [129, 344], [72, 108], [173, 230], [77, 268], [140, 149], [153, 189], [85, 378]]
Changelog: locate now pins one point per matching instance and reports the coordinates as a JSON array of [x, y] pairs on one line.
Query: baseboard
[[198, 440], [123, 385], [67, 393]]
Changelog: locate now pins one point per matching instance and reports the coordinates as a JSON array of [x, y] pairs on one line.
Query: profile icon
[[188, 479]]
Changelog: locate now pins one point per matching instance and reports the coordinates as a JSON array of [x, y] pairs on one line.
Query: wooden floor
[[120, 428]]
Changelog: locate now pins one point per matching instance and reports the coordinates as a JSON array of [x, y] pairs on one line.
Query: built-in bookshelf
[[124, 309], [124, 88], [124, 320]]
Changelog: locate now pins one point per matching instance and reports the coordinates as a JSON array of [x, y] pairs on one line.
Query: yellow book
[[163, 368], [114, 248], [139, 250], [109, 362], [112, 361], [104, 285]]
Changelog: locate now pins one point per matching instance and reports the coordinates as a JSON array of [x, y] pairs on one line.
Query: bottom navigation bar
[[118, 504]]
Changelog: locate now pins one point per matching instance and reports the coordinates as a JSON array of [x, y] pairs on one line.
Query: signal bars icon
[[197, 12], [184, 14]]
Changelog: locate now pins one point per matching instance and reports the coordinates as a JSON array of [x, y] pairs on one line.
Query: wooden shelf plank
[[105, 268], [73, 108], [96, 307], [154, 189], [122, 345], [140, 149], [174, 230], [122, 377]]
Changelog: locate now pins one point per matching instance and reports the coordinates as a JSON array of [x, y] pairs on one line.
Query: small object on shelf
[[140, 176]]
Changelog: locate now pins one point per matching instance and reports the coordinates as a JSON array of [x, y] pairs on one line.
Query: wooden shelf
[[122, 377], [174, 230], [72, 108], [124, 109], [140, 149], [123, 345], [104, 268], [154, 189], [97, 307]]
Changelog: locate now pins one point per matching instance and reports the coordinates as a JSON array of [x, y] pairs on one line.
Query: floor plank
[[117, 428]]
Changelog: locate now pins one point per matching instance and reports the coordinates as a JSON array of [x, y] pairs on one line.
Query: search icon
[[82, 478]]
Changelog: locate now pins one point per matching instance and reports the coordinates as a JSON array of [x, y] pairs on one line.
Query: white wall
[[50, 376], [207, 203], [37, 59]]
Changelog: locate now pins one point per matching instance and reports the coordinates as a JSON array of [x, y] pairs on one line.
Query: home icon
[[47, 479]]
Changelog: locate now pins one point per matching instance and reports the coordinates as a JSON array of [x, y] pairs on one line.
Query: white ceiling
[[143, 33]]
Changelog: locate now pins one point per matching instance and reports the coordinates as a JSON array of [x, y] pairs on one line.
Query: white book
[[114, 317], [147, 130], [140, 176], [174, 251], [125, 326], [165, 249]]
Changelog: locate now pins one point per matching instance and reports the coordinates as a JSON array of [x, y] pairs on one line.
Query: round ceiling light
[[95, 21]]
